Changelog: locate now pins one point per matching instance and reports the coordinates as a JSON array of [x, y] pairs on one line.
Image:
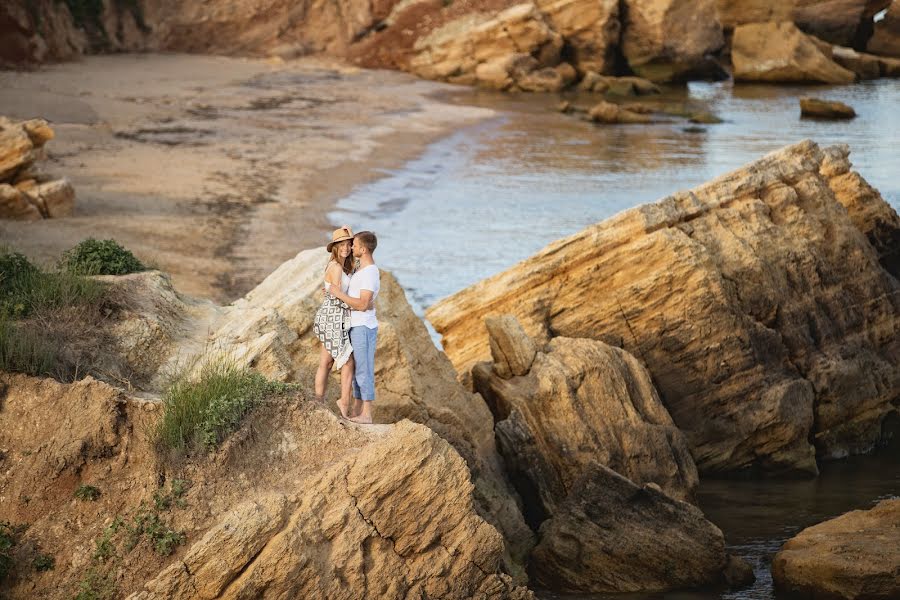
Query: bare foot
[[362, 420], [319, 399], [344, 407]]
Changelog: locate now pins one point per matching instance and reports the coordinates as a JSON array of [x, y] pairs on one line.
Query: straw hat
[[339, 235]]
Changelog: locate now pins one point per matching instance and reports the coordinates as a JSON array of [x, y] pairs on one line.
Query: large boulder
[[611, 535], [671, 40], [779, 52], [590, 28], [886, 38], [577, 402], [843, 22], [852, 556], [758, 306]]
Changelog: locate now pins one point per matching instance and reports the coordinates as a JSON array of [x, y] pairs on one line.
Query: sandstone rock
[[15, 205], [397, 521], [511, 348], [842, 22], [611, 113], [620, 86], [34, 31], [886, 37], [591, 29], [584, 401], [39, 132], [825, 109], [17, 151], [54, 199], [773, 352], [611, 535], [852, 556], [671, 40], [779, 52]]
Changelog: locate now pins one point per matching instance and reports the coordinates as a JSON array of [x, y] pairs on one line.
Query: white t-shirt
[[367, 278]]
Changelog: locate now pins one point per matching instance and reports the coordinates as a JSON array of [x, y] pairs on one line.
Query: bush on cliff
[[201, 410], [100, 257]]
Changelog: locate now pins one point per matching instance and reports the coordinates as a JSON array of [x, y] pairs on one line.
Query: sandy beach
[[214, 169]]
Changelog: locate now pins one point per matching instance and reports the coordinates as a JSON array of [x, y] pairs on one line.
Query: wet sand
[[216, 169]]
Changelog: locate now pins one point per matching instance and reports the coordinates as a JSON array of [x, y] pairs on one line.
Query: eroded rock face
[[671, 40], [583, 401], [590, 28], [742, 297], [842, 22], [886, 37], [852, 556], [779, 52], [611, 535]]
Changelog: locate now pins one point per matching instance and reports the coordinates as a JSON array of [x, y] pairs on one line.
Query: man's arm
[[362, 303]]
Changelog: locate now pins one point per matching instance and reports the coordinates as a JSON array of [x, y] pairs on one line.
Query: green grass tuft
[[100, 257], [43, 562], [200, 411], [87, 492]]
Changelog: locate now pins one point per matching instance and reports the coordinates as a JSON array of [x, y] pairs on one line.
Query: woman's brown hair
[[347, 265]]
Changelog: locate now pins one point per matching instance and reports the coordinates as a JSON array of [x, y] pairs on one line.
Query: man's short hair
[[367, 239]]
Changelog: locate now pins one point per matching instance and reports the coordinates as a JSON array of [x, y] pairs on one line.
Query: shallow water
[[493, 194]]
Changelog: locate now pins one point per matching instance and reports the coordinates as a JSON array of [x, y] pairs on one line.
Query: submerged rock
[[611, 113], [760, 309], [779, 52], [852, 556], [825, 109]]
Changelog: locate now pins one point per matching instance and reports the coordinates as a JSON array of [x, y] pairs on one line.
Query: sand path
[[216, 169]]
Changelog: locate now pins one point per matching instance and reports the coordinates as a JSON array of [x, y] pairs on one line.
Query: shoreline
[[218, 169]]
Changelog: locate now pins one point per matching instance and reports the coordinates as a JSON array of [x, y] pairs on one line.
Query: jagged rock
[[620, 86], [779, 52], [840, 22], [886, 38], [866, 66], [611, 113], [671, 40], [583, 401], [54, 199], [590, 28], [15, 205], [790, 334], [397, 519], [852, 556], [611, 535], [511, 348], [825, 109], [17, 150]]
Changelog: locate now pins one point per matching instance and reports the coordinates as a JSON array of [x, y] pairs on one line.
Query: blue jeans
[[363, 341]]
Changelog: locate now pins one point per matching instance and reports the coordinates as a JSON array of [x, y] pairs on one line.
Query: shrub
[[7, 541], [43, 562], [87, 492], [200, 411], [100, 257], [24, 288], [23, 351]]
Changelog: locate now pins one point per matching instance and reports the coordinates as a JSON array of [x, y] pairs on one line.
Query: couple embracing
[[346, 324]]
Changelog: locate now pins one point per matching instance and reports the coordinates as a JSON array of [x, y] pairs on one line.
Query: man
[[364, 286]]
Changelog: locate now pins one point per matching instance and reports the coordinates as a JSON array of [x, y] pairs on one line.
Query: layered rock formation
[[761, 311], [671, 40], [577, 402], [294, 504], [779, 52], [25, 193], [886, 37], [852, 556]]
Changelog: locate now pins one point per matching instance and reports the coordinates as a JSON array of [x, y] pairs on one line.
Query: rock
[[15, 205], [611, 113], [779, 52], [611, 535], [564, 107], [890, 67], [54, 199], [17, 151], [590, 28], [886, 37], [852, 556], [842, 22], [455, 50], [583, 401], [511, 348], [620, 86], [398, 520], [825, 109], [776, 361], [738, 573], [38, 131], [705, 118], [548, 79], [866, 66], [671, 40]]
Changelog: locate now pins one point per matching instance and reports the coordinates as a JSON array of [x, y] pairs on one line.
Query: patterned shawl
[[332, 327]]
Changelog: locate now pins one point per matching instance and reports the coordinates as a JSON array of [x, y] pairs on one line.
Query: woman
[[332, 322]]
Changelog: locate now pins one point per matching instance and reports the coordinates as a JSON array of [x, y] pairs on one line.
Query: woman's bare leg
[[345, 401], [325, 362]]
